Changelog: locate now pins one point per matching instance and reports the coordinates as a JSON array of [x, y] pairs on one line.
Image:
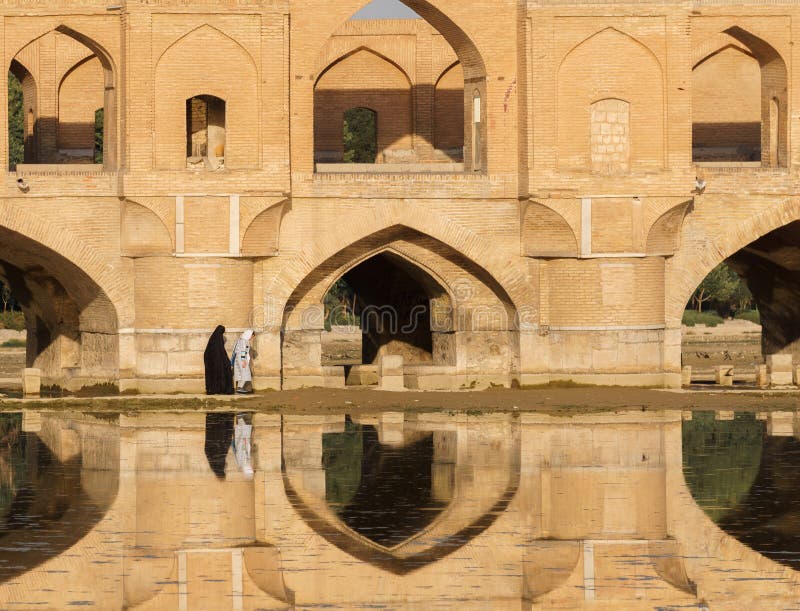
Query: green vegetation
[[722, 294], [16, 122], [12, 319], [13, 343], [12, 460], [342, 455], [721, 459], [709, 319], [724, 291], [99, 117], [340, 304], [360, 136], [751, 315]]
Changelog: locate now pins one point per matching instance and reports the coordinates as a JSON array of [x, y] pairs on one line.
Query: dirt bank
[[550, 400]]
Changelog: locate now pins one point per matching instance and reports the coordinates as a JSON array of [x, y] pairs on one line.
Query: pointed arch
[[388, 93], [109, 89], [610, 64], [755, 128], [197, 30], [229, 74], [330, 63]]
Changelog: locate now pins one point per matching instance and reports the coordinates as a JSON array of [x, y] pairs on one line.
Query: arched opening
[[205, 132], [739, 95], [595, 81], [21, 115], [360, 135], [57, 118], [391, 317], [746, 313], [399, 293], [381, 59], [70, 324]]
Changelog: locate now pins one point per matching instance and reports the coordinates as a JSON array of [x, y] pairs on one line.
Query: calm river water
[[193, 510]]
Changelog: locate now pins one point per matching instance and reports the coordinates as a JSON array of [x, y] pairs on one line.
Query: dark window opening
[[205, 132]]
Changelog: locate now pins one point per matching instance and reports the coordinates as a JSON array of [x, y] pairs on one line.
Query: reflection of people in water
[[241, 363], [219, 379]]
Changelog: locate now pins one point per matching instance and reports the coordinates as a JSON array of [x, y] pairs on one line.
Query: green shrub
[[709, 319], [12, 320], [751, 315], [13, 343]]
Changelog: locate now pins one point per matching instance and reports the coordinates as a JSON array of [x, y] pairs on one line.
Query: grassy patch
[[709, 319], [751, 315], [13, 343], [12, 320]]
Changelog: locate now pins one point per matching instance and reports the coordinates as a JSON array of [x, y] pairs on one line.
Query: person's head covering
[[247, 335], [219, 378]]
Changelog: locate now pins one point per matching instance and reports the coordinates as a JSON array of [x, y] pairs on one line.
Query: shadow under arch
[[71, 322]]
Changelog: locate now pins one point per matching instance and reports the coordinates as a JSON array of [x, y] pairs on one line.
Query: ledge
[[57, 169], [389, 168]]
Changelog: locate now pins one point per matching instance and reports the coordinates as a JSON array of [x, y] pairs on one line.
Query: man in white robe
[[241, 363]]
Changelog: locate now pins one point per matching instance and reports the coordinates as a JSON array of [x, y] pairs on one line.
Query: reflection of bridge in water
[[527, 511]]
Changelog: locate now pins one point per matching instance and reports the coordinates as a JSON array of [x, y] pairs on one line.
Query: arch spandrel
[[510, 277]]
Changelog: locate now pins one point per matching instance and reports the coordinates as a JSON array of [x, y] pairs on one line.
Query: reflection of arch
[[610, 64], [773, 87], [708, 551], [212, 76], [460, 522], [57, 507], [545, 233]]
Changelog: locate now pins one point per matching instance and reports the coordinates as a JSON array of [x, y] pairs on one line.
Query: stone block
[[333, 377], [182, 363], [762, 379], [390, 372], [31, 421], [779, 368], [31, 382], [686, 375], [363, 375], [151, 363], [780, 424], [723, 375], [724, 414]]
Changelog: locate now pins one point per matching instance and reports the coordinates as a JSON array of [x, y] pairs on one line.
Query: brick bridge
[[531, 206]]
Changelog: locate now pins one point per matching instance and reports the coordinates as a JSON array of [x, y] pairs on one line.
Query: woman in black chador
[[219, 377]]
